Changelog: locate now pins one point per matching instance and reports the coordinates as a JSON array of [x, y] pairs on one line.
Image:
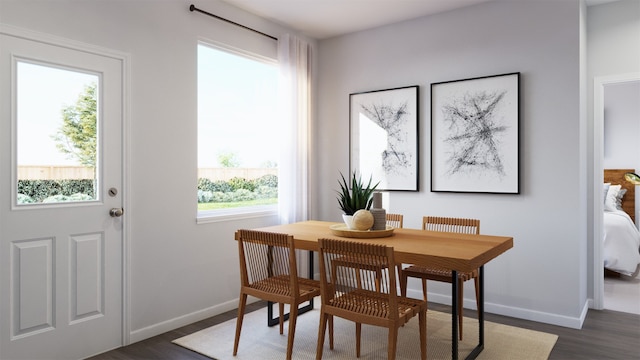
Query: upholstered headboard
[[615, 177]]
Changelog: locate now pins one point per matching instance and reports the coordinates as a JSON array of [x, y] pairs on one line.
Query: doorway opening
[[600, 84]]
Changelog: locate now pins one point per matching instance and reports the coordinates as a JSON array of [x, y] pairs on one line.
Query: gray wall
[[542, 277]]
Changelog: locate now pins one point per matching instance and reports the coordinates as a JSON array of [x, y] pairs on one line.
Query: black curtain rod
[[194, 8]]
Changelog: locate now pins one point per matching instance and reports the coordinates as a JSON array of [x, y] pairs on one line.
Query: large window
[[237, 133]]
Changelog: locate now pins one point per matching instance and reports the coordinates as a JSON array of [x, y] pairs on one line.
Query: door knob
[[116, 212]]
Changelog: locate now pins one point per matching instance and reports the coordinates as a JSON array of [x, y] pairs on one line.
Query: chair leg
[[424, 289], [403, 283], [281, 317], [476, 280], [241, 306], [331, 332], [358, 333], [422, 322], [460, 307], [393, 341], [321, 330], [293, 317]]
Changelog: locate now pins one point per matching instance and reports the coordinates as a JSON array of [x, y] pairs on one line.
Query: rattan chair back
[[356, 293], [268, 270]]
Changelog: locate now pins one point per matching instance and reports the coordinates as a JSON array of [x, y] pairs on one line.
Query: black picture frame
[[475, 135], [383, 137]]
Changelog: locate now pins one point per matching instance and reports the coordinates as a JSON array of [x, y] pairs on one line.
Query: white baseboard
[[520, 313], [526, 314], [171, 324]]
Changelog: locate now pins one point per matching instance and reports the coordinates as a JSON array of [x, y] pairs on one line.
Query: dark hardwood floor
[[605, 334]]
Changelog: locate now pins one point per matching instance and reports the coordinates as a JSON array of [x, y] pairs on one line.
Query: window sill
[[212, 216]]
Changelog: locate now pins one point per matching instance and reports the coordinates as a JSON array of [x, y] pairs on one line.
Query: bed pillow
[[605, 189], [612, 196], [619, 198]]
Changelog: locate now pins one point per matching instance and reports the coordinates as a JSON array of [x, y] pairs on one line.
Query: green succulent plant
[[360, 196]]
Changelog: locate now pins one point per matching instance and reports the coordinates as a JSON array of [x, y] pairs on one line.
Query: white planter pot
[[348, 220]]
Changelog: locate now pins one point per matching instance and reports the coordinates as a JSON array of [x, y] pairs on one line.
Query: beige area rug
[[258, 341]]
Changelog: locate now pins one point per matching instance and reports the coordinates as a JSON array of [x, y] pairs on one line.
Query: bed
[[621, 241]]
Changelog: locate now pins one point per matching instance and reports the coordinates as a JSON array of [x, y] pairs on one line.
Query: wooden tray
[[344, 231]]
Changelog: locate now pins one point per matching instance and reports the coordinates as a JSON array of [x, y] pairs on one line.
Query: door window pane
[[57, 134]]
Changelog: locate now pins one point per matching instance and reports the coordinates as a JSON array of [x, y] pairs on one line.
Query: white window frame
[[246, 212]]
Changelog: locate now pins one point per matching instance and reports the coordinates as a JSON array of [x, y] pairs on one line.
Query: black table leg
[[454, 315], [271, 321], [481, 305], [478, 349]]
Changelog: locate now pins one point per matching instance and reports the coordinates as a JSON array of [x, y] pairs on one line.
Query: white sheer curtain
[[295, 80]]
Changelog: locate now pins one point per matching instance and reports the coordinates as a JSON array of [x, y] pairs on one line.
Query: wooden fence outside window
[[32, 172]]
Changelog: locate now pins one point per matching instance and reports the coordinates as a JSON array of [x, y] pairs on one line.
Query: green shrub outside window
[[237, 192]]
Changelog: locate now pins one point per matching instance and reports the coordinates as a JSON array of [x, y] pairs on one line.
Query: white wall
[[179, 271], [542, 277], [613, 49], [622, 126]]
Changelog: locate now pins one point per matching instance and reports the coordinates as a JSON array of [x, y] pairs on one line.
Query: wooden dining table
[[453, 251]]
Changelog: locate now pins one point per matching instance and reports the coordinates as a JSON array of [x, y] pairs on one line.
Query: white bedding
[[621, 243]]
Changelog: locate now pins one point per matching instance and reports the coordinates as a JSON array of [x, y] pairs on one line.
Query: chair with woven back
[[444, 224], [268, 270], [395, 220], [359, 299]]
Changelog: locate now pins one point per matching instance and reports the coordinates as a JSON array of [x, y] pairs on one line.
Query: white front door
[[61, 259]]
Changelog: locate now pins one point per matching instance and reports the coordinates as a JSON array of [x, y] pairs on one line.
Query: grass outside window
[[236, 204]]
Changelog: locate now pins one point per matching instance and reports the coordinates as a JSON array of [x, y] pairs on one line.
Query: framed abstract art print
[[475, 135], [384, 137]]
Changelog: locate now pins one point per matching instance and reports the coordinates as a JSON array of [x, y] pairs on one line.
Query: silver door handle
[[116, 212]]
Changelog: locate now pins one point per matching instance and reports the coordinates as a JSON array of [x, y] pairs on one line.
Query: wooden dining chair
[[358, 300], [444, 224], [268, 270], [395, 220]]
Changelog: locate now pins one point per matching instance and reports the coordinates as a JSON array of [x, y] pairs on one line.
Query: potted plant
[[358, 198]]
